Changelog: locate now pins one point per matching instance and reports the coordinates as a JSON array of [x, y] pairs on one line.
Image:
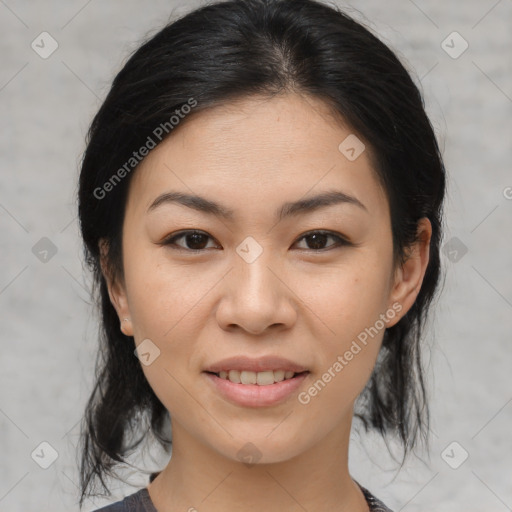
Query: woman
[[260, 201]]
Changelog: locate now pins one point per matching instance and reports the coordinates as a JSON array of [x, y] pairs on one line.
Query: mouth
[[264, 378], [266, 381]]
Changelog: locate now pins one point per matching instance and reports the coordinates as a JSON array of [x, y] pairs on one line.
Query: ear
[[409, 276], [116, 291]]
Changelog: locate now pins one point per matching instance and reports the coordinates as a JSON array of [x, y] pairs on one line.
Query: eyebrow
[[302, 206]]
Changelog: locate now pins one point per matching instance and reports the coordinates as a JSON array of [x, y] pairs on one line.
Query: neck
[[198, 478]]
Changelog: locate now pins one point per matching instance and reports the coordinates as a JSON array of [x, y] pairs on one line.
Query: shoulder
[[137, 502], [374, 504]]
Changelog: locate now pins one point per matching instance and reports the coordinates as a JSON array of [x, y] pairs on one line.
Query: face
[[265, 277]]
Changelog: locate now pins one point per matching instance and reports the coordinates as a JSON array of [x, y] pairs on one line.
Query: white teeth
[[278, 375], [265, 378], [234, 376], [248, 377], [261, 378]]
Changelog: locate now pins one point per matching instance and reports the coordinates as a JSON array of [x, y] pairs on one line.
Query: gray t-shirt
[[140, 501]]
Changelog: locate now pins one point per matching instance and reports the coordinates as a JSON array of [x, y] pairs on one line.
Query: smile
[[265, 378], [251, 393]]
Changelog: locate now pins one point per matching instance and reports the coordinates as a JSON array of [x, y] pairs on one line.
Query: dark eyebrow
[[301, 206]]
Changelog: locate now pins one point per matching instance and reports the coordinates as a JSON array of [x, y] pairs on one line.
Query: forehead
[[257, 148]]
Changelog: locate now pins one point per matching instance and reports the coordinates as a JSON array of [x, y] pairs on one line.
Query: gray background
[[48, 331]]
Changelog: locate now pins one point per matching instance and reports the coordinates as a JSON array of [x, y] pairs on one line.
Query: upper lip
[[260, 364]]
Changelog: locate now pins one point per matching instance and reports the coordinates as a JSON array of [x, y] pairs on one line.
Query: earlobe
[[116, 291], [126, 327], [409, 277]]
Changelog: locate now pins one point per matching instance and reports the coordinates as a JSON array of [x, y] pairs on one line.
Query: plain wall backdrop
[[47, 327]]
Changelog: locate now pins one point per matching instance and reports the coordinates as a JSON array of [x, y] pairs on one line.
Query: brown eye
[[193, 240], [197, 241], [316, 240]]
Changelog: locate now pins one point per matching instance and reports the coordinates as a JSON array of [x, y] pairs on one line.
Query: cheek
[[353, 310], [161, 294], [351, 306], [347, 299], [168, 304]]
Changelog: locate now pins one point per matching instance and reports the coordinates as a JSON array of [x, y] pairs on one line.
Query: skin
[[308, 306]]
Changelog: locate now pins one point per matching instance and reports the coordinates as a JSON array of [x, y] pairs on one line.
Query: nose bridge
[[251, 268], [255, 298]]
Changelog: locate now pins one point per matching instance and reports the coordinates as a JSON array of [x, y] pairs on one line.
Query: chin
[[259, 448]]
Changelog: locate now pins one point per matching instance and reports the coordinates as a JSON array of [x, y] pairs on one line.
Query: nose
[[257, 295]]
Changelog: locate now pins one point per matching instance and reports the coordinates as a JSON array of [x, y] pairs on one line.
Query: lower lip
[[253, 395]]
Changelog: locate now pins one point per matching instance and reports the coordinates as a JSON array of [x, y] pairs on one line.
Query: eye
[[317, 240], [195, 240]]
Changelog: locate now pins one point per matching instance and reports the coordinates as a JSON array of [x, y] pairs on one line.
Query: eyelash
[[170, 240]]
